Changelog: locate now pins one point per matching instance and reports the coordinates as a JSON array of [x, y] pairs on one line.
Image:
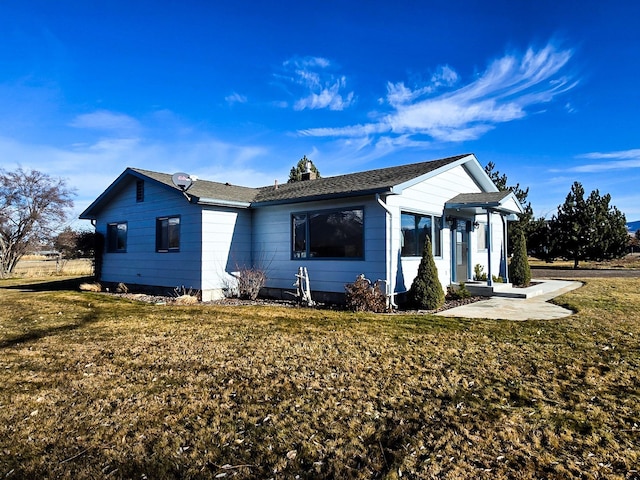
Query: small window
[[168, 234], [328, 234], [482, 236], [415, 229], [117, 237], [140, 191]]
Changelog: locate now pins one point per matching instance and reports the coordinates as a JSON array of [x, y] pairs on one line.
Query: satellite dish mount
[[182, 180]]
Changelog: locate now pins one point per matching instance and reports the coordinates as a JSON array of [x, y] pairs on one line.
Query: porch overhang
[[468, 205], [471, 204]]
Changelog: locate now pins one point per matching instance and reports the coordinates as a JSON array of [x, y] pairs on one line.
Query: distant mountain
[[633, 226]]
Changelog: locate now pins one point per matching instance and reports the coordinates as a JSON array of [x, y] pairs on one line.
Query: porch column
[[489, 248], [505, 229]]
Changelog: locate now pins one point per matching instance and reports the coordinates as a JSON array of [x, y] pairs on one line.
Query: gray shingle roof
[[369, 181], [482, 198], [205, 189], [351, 184]]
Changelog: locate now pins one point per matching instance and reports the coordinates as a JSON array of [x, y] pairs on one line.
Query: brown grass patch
[[97, 386], [631, 260]]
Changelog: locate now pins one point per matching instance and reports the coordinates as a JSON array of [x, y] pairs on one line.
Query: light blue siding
[[141, 264], [272, 247]]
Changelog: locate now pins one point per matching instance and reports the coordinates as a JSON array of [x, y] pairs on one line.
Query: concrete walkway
[[535, 307]]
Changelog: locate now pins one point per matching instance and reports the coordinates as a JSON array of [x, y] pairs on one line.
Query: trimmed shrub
[[426, 290], [364, 296], [519, 270]]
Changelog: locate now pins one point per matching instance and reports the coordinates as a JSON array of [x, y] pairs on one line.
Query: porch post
[[489, 248], [505, 229]]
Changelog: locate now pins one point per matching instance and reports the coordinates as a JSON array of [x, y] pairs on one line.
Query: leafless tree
[[32, 206]]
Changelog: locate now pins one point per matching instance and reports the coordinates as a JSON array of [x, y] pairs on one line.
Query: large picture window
[[168, 234], [415, 229], [328, 234], [117, 237]]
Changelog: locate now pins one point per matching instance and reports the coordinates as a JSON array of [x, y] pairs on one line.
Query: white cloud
[[106, 121], [317, 86], [235, 98], [91, 167], [619, 160], [502, 93]]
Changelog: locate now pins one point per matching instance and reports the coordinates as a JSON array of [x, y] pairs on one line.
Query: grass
[[631, 260], [34, 266], [94, 386]]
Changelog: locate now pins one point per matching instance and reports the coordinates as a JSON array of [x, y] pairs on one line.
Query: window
[[117, 237], [482, 236], [140, 191], [328, 234], [415, 229], [168, 234]]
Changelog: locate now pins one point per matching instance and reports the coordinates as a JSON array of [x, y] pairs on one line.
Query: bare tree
[[32, 206]]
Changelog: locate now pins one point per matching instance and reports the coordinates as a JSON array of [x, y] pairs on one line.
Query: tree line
[[582, 229]]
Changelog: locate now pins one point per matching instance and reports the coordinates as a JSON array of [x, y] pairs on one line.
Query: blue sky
[[238, 91]]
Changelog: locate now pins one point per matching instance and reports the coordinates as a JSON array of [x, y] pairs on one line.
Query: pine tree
[[519, 270], [426, 290], [588, 229], [295, 175]]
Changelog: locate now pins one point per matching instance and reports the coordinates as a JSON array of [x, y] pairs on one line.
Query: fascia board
[[316, 198], [470, 162], [222, 203]]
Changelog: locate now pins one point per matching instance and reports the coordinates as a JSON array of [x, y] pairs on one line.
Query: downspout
[[389, 267]]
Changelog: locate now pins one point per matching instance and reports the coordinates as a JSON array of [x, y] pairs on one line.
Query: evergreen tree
[[588, 229], [524, 219], [295, 175], [519, 270], [539, 239], [426, 290]]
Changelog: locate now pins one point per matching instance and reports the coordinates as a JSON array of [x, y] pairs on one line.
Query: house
[[164, 230]]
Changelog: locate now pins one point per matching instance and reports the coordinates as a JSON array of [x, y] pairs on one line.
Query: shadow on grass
[[50, 286], [47, 332]]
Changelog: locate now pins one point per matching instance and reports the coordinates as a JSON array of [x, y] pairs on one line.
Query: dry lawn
[[94, 386], [631, 260], [35, 266]]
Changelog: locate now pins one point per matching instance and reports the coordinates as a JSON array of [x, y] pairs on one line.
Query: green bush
[[519, 270], [457, 292], [426, 290], [478, 273]]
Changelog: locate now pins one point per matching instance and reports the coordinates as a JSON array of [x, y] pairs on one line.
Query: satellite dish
[[182, 180]]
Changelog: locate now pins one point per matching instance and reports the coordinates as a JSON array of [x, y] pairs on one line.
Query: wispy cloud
[[106, 121], [506, 91], [317, 85], [619, 160], [235, 98]]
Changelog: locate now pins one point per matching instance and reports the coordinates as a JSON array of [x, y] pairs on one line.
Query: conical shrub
[[426, 290], [519, 270]]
